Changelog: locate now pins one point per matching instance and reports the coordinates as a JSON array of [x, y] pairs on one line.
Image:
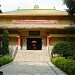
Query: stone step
[[32, 55]]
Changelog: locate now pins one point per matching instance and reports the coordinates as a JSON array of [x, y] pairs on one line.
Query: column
[[19, 43], [47, 42]]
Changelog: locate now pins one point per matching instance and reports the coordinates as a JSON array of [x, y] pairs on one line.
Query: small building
[[36, 29]]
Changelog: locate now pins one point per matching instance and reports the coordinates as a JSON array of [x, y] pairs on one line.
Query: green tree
[[71, 8], [5, 42], [0, 10], [70, 5], [1, 52]]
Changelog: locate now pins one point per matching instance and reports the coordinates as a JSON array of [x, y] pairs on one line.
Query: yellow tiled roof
[[37, 12]]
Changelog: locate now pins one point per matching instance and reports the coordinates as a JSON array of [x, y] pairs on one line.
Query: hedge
[[5, 60], [65, 65]]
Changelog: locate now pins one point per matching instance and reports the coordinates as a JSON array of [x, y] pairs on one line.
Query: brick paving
[[31, 62]]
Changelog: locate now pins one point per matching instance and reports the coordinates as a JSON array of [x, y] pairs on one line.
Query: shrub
[[67, 49], [5, 60], [66, 65]]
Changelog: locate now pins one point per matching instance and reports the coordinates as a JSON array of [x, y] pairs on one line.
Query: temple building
[[36, 29]]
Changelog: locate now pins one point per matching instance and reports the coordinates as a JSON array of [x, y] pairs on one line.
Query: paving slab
[[31, 63]]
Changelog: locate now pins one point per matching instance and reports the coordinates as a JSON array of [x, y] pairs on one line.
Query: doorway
[[34, 43]]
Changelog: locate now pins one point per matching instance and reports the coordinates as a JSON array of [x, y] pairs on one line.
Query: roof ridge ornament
[[18, 8], [54, 8], [36, 7]]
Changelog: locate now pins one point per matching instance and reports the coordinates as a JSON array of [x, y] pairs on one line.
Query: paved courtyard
[[31, 62]]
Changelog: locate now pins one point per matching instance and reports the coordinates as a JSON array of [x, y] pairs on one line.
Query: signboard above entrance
[[35, 21], [34, 32]]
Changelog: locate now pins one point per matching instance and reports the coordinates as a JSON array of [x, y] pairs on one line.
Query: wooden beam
[[10, 35], [61, 35]]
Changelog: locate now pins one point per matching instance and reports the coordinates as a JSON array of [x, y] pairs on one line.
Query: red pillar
[[19, 43], [48, 42]]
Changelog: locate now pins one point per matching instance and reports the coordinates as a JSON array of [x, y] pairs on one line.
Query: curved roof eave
[[33, 15]]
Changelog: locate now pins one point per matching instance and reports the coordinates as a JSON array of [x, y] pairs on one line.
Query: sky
[[9, 5]]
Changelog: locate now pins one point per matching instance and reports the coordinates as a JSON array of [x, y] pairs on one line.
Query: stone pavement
[[29, 62]]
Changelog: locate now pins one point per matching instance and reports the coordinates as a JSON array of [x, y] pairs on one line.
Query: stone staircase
[[32, 55]]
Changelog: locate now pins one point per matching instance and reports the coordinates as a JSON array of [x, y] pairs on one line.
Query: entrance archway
[[34, 43]]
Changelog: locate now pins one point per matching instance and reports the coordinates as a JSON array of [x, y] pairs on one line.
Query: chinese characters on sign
[[34, 32]]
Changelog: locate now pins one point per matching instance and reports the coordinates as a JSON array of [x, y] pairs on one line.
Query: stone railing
[[13, 50], [50, 51]]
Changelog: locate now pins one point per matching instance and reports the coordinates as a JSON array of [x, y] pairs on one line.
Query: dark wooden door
[[34, 43]]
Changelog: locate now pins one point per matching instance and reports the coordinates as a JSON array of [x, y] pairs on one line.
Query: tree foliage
[[5, 42], [70, 5], [1, 51], [0, 11], [71, 9]]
